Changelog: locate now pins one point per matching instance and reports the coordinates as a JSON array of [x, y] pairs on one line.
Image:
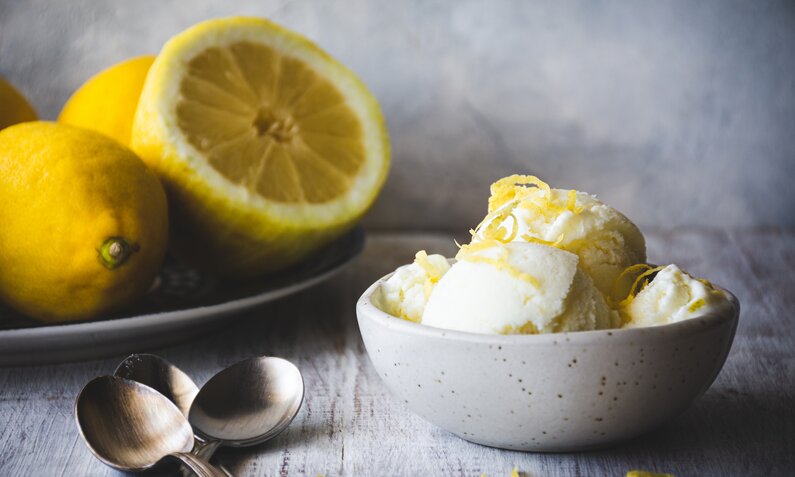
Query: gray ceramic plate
[[183, 304]]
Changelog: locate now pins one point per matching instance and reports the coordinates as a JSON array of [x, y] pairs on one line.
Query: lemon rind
[[158, 134]]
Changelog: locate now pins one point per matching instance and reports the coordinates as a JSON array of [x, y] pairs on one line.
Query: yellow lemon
[[268, 147], [14, 108], [84, 222], [107, 101]]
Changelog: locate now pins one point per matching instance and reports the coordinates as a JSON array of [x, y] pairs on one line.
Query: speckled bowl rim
[[366, 310]]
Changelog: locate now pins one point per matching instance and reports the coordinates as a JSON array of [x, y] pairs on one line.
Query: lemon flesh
[[270, 123], [14, 108], [106, 103], [85, 223], [267, 146]]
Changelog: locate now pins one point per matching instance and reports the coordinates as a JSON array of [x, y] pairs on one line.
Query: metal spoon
[[131, 427], [247, 403], [247, 378], [162, 376], [170, 381]]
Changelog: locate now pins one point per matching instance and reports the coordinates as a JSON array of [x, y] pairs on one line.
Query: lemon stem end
[[114, 252]]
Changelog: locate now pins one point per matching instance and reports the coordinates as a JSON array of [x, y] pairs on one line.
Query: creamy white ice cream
[[672, 296], [544, 261], [406, 292], [525, 209], [516, 288]]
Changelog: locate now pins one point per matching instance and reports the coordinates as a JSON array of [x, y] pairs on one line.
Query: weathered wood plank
[[349, 425]]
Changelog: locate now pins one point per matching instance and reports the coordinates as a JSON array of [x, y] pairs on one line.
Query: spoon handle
[[199, 466], [205, 448]]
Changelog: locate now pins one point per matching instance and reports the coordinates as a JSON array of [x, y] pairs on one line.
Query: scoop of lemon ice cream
[[525, 209], [516, 287], [406, 292], [672, 296]]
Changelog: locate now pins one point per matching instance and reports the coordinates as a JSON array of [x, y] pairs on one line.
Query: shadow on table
[[741, 431], [726, 432], [238, 460]]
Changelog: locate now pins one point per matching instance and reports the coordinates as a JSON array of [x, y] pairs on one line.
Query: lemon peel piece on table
[[643, 473]]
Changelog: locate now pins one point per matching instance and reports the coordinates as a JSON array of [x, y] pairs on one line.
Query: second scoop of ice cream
[[672, 296], [406, 292], [526, 209], [516, 287]]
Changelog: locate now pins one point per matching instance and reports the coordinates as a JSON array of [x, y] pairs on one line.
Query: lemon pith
[[268, 148], [93, 235]]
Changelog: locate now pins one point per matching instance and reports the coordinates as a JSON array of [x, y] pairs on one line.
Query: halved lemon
[[267, 146]]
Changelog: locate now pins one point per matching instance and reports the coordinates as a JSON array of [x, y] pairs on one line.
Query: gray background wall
[[676, 112]]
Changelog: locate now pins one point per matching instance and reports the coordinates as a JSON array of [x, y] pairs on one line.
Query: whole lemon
[[107, 101], [84, 222], [14, 108]]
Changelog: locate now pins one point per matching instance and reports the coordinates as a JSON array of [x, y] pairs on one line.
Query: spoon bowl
[[162, 376], [249, 402], [129, 426]]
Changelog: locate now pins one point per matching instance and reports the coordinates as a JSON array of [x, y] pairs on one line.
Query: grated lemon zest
[[525, 192], [633, 269], [707, 283], [434, 274], [614, 291], [512, 187], [528, 328], [514, 229], [533, 239], [491, 227], [474, 247], [421, 259], [640, 280], [696, 305], [495, 229], [468, 253], [570, 204]]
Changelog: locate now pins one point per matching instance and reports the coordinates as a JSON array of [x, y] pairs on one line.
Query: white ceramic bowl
[[549, 393]]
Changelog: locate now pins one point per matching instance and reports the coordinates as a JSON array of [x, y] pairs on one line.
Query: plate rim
[[357, 236]]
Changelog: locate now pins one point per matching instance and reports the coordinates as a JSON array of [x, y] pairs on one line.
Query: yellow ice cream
[[406, 292], [526, 209], [672, 296], [517, 287]]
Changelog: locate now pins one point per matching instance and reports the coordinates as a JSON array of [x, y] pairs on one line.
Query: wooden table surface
[[349, 425]]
